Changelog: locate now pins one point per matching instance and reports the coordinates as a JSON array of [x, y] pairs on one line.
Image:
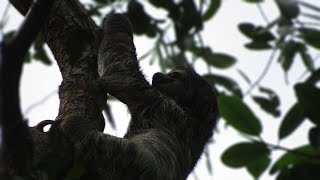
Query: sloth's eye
[[175, 74]]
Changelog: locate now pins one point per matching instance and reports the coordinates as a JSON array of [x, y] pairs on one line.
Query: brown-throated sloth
[[172, 119]]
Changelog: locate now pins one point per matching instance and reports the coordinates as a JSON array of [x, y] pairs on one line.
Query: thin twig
[[303, 24], [262, 13], [310, 6], [308, 23], [293, 151], [145, 55], [200, 39], [41, 101], [264, 72], [278, 147], [311, 16]]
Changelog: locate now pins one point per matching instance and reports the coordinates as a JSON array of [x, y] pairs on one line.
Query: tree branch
[[17, 143], [73, 38], [264, 72]]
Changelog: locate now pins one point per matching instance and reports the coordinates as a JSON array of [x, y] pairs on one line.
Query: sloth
[[171, 120]]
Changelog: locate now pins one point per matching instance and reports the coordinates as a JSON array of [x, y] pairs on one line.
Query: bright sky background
[[221, 33]]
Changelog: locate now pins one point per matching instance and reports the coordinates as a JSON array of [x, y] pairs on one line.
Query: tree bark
[[73, 38]]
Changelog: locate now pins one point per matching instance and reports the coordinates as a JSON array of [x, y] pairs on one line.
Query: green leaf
[[139, 19], [39, 42], [262, 35], [300, 171], [199, 51], [256, 45], [306, 58], [288, 53], [238, 115], [305, 153], [267, 91], [247, 29], [93, 10], [311, 36], [163, 3], [257, 34], [170, 6], [152, 30], [291, 121], [309, 100], [190, 16], [270, 105], [219, 60], [257, 167], [225, 82], [212, 10], [40, 53], [243, 154]]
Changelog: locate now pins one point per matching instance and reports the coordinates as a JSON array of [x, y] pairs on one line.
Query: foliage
[[287, 34]]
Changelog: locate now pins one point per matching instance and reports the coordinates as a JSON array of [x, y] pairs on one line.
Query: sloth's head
[[188, 89]]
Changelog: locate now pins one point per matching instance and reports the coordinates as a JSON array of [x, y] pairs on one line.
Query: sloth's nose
[[160, 78]]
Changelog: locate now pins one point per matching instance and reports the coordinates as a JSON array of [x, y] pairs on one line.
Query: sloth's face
[[173, 84], [187, 88]]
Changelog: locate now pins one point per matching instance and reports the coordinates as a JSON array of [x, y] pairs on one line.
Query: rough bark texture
[[73, 39]]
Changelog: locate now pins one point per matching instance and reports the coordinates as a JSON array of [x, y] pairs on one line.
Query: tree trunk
[[73, 38]]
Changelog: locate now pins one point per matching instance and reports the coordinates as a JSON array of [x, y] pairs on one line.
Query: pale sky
[[221, 33]]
